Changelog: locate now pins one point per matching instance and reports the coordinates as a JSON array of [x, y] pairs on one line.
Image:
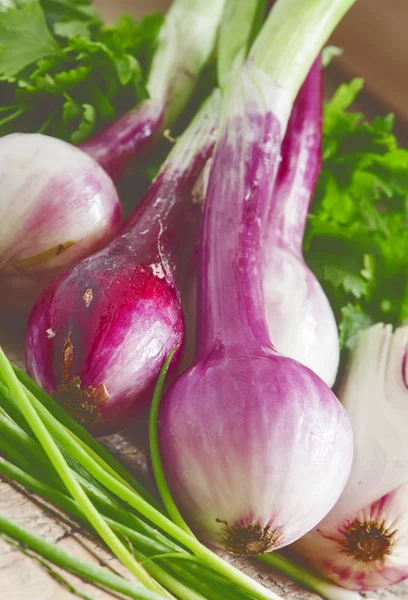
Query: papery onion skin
[[299, 315], [98, 336], [362, 544], [57, 206], [255, 446]]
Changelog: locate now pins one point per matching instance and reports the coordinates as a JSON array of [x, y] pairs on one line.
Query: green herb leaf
[[71, 18], [57, 54], [357, 236], [86, 126], [25, 37], [354, 320]]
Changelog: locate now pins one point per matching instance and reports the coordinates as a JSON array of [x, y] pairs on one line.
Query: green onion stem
[[155, 452], [71, 507], [67, 476], [186, 41], [15, 433], [238, 21], [171, 583], [11, 411], [14, 438], [212, 584], [306, 578], [75, 565], [47, 566], [105, 458], [293, 35], [127, 495]]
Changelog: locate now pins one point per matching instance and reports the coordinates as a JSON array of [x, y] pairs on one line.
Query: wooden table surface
[[21, 577]]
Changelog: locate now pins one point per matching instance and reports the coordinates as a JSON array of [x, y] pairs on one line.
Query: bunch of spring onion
[[45, 450], [244, 411], [98, 335], [57, 205]]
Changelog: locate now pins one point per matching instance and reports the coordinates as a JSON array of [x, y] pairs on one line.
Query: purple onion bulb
[[362, 544], [57, 205]]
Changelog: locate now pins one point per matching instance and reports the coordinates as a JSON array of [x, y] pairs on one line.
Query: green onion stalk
[[15, 442], [73, 564]]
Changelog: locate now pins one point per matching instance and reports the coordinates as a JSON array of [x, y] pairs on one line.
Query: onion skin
[[255, 447], [236, 459], [299, 315], [362, 544], [99, 334], [110, 322], [57, 206]]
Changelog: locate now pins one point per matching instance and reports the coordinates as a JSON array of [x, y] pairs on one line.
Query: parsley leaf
[[357, 236], [24, 37], [66, 74], [71, 18], [354, 319]]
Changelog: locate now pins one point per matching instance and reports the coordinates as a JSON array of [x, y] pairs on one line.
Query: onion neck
[[300, 166], [168, 218], [125, 139], [293, 35], [231, 303]]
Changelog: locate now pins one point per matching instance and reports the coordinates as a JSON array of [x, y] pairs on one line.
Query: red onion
[[57, 205], [255, 447], [362, 543], [98, 335], [299, 315]]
